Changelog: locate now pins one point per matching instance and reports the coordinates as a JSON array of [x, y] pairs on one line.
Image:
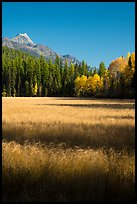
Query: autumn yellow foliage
[[81, 85], [117, 65], [88, 86]]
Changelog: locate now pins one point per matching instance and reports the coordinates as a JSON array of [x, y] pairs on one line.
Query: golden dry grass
[[68, 149]]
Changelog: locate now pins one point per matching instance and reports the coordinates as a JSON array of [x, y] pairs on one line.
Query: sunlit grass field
[[68, 150]]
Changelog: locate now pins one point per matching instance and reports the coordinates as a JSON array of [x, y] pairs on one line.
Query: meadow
[[68, 149]]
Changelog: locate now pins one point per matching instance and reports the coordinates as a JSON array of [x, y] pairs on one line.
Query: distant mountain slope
[[7, 42], [24, 43]]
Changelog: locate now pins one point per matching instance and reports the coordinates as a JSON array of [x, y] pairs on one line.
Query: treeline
[[24, 75]]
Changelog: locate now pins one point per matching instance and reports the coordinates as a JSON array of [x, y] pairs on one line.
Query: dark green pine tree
[[44, 78], [57, 60], [102, 69], [31, 87], [13, 78], [8, 81], [90, 71], [84, 68], [71, 84], [18, 85], [22, 78], [57, 80], [76, 71], [65, 79], [94, 71], [26, 88], [38, 73]]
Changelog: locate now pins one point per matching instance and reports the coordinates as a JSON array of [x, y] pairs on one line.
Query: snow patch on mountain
[[23, 38]]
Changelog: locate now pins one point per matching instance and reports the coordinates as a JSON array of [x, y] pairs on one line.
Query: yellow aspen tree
[[35, 90], [94, 84], [83, 84], [89, 85], [77, 86]]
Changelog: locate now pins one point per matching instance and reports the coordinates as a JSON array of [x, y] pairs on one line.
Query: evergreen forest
[[26, 76]]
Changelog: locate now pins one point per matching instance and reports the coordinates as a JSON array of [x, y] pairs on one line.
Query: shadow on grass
[[103, 105], [95, 99], [95, 185], [70, 135], [120, 117]]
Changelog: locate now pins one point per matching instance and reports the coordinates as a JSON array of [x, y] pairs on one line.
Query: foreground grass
[[68, 150], [36, 173]]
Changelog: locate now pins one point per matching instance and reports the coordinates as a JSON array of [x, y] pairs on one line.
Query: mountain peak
[[24, 34], [23, 38]]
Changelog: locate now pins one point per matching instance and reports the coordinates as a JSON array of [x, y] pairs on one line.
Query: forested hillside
[[24, 75]]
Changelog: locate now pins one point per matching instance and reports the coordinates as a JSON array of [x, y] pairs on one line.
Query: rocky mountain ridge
[[24, 43]]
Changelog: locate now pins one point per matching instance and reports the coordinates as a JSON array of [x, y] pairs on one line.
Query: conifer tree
[[102, 69]]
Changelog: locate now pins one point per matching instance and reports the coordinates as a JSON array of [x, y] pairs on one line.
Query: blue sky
[[91, 31]]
